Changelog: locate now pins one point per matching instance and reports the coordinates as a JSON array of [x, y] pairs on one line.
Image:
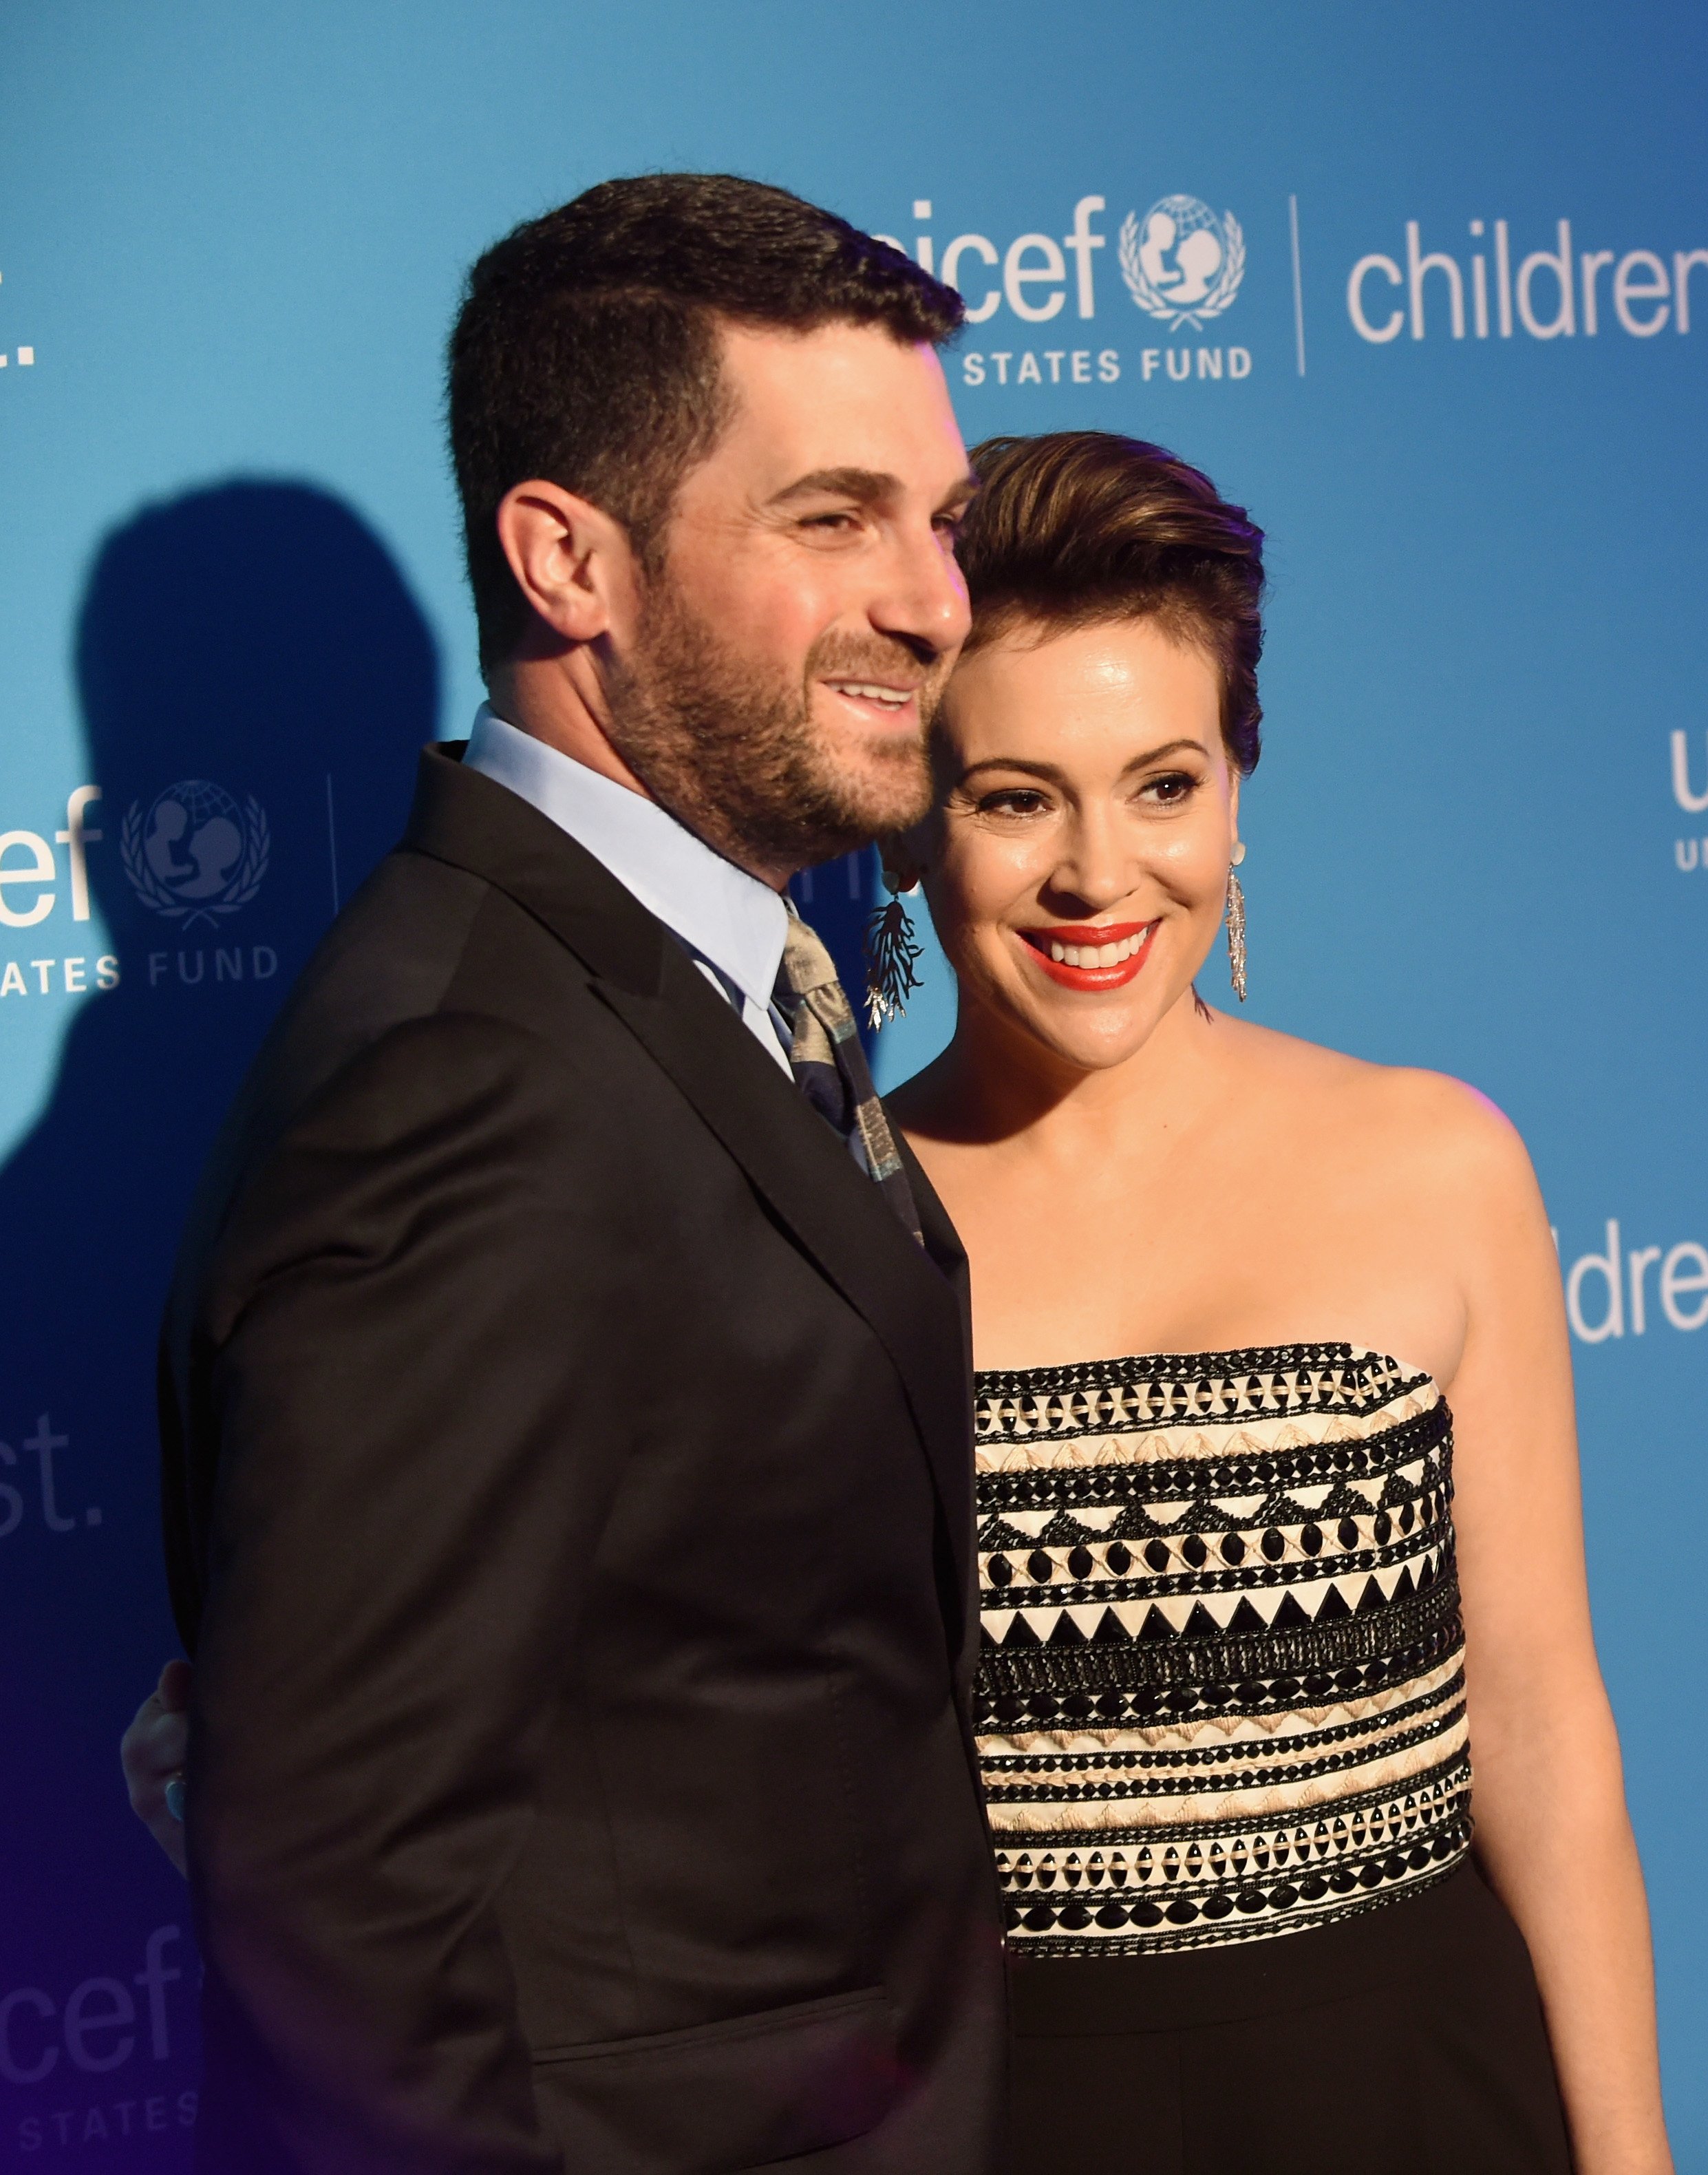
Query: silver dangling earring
[[1236, 926], [892, 954]]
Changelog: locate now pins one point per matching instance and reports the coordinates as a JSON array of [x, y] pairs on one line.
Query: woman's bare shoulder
[[1446, 1131]]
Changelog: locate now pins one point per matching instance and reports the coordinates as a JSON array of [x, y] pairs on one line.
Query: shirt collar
[[733, 919]]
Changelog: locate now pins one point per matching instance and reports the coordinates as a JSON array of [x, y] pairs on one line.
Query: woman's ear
[[901, 872], [906, 855]]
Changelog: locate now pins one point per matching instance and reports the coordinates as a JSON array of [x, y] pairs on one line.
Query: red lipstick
[[1084, 940]]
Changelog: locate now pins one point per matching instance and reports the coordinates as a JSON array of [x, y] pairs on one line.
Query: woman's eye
[[1170, 791], [1015, 800]]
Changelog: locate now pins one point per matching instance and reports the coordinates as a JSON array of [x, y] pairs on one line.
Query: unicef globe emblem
[[1180, 262], [194, 854]]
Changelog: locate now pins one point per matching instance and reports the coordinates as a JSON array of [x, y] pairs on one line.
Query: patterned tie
[[830, 1067]]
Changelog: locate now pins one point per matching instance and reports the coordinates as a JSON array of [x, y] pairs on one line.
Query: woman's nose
[[1095, 869]]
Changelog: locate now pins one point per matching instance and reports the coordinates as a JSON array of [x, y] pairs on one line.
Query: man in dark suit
[[565, 1386]]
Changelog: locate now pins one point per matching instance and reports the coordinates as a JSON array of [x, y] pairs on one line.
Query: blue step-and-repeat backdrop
[[1426, 287]]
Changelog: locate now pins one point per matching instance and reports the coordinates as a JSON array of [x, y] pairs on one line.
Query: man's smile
[[879, 701]]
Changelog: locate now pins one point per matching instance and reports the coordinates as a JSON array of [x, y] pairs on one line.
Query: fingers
[[136, 1749], [169, 1744], [152, 1753], [154, 1745]]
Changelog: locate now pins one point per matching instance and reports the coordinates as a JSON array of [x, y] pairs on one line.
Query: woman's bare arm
[[1552, 1831]]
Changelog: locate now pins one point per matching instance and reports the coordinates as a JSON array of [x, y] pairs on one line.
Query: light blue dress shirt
[[732, 926]]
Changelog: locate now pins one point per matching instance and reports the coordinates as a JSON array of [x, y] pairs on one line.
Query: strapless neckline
[[1068, 1376]]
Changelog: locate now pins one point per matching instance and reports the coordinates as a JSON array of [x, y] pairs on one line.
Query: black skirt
[[1408, 2040]]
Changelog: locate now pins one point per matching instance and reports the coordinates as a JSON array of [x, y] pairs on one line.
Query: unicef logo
[[195, 855], [1180, 262]]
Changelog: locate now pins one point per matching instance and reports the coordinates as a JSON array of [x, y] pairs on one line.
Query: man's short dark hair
[[586, 351]]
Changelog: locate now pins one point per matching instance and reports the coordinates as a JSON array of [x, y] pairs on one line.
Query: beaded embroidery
[[1221, 1689]]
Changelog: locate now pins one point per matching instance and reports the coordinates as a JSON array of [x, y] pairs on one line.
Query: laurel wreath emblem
[[1152, 298], [258, 847]]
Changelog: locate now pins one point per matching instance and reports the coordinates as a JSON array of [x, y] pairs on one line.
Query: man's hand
[[152, 1751]]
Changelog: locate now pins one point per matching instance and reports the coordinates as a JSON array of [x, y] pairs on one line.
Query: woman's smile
[[1090, 955]]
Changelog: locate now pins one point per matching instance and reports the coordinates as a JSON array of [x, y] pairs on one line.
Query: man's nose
[[924, 600]]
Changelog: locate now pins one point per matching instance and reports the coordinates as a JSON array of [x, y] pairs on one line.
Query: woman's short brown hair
[[1082, 526]]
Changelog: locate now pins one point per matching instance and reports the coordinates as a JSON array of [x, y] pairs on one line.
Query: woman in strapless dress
[[1304, 1790]]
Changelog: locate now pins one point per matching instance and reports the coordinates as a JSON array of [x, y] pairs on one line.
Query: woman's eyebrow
[[1054, 774], [1009, 762], [1168, 748]]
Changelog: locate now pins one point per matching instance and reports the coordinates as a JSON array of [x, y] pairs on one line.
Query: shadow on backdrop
[[255, 679]]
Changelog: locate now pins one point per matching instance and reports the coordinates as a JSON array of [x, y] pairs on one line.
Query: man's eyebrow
[[866, 485], [1050, 771]]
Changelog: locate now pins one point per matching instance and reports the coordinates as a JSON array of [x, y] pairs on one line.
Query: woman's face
[[1076, 866]]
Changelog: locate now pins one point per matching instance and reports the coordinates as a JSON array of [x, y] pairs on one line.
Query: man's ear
[[572, 561]]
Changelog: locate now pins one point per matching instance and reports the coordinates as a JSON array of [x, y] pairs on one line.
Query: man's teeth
[[892, 699], [1097, 955]]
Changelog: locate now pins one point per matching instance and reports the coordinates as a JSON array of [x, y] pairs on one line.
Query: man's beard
[[734, 751]]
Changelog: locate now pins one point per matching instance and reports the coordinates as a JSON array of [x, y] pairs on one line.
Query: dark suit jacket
[[568, 1505]]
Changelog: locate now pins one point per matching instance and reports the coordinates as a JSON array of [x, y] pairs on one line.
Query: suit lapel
[[914, 1306], [834, 1210]]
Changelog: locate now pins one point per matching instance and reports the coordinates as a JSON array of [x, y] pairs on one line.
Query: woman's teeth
[[1096, 955]]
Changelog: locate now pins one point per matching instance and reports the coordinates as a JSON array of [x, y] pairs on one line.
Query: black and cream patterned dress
[[1221, 1690]]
